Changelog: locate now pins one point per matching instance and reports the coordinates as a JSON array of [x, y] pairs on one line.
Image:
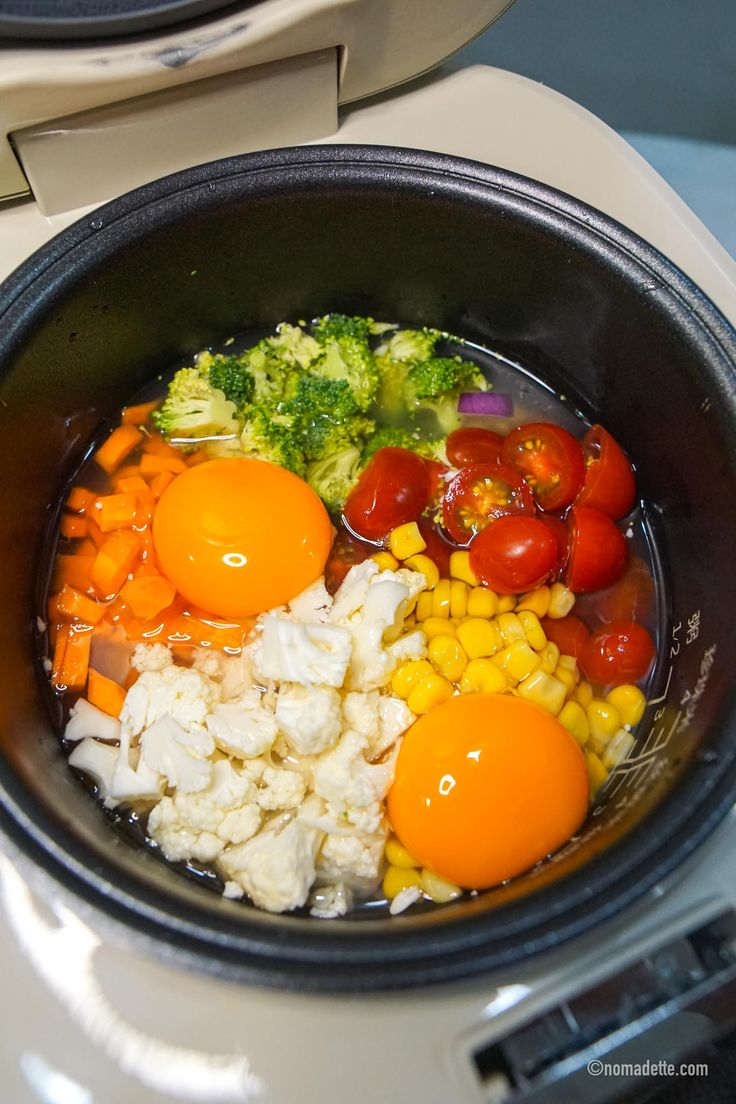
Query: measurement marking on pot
[[661, 698]]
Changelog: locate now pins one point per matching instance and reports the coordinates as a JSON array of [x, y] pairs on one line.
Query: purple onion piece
[[486, 402]]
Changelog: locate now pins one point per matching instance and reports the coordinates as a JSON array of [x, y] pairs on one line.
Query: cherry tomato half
[[561, 533], [474, 446], [632, 598], [570, 634], [437, 473], [515, 554], [609, 484], [346, 551], [550, 459], [597, 551], [619, 652], [395, 488], [480, 493]]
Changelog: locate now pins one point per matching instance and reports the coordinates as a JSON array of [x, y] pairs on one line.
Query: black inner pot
[[497, 258]]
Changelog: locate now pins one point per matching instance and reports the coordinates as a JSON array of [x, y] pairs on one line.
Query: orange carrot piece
[[97, 537], [138, 414], [128, 471], [114, 561], [73, 526], [57, 663], [152, 464], [147, 595], [199, 457], [156, 445], [74, 569], [116, 511], [160, 482], [51, 611], [73, 674], [117, 447], [79, 500], [130, 484], [104, 693], [73, 606]]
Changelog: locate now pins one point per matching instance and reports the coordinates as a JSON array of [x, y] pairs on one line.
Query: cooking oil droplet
[[96, 223]]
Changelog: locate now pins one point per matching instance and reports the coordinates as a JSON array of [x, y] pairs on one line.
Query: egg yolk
[[486, 785], [238, 536]]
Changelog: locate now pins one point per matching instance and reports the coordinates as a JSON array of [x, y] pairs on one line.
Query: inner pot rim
[[435, 947]]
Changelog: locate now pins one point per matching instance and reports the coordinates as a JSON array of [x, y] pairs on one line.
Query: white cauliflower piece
[[345, 779], [183, 694], [394, 717], [200, 826], [282, 789], [352, 591], [329, 901], [311, 654], [243, 729], [97, 760], [133, 780], [381, 618], [313, 604], [412, 645], [414, 581], [151, 657], [276, 868], [180, 754], [360, 711], [309, 717], [209, 663], [352, 856], [237, 675], [86, 719]]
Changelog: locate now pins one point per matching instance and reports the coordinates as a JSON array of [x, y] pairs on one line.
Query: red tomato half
[[609, 484], [597, 551], [550, 459], [632, 598], [474, 446], [620, 652], [515, 554], [561, 533], [347, 551], [570, 634], [437, 473], [480, 493], [395, 488]]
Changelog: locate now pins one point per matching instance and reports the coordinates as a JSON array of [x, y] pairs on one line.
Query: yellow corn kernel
[[397, 878], [544, 690], [406, 540], [533, 631], [385, 561], [458, 598], [617, 748], [439, 889], [570, 664], [517, 661], [479, 637], [482, 602], [630, 702], [596, 772], [510, 628], [441, 599], [482, 676], [438, 626], [460, 568], [424, 605], [564, 674], [572, 716], [604, 719], [447, 655], [549, 657], [506, 603], [410, 621], [397, 855], [561, 601], [429, 692], [536, 601], [584, 693], [427, 567], [408, 675]]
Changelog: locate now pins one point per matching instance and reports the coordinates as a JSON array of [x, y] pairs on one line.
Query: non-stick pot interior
[[534, 275]]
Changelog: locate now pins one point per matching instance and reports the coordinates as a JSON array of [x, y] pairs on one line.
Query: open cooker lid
[[50, 20]]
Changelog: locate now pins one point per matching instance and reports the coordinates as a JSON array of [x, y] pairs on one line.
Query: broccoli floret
[[334, 477], [264, 439], [324, 416], [413, 345], [335, 327], [230, 375], [294, 346], [353, 361], [388, 436], [194, 408], [438, 375]]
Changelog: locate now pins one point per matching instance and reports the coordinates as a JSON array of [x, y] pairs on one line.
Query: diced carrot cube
[[79, 500], [73, 674], [97, 537], [74, 569], [57, 663], [198, 457], [128, 471], [152, 464], [117, 447], [114, 561], [147, 595], [104, 693], [130, 484], [73, 606], [116, 511], [137, 415], [73, 526], [160, 482]]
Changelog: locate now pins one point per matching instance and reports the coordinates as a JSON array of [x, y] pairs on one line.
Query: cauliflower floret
[[352, 856], [151, 657], [98, 760], [360, 711], [329, 901], [352, 591], [311, 654], [133, 780], [313, 604], [178, 754], [309, 717], [283, 789], [394, 717], [381, 618], [276, 868], [237, 675], [86, 719], [243, 729], [200, 826], [181, 693], [412, 645], [414, 581], [345, 779], [209, 663]]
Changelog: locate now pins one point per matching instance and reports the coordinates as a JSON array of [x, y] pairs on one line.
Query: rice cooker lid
[[50, 20]]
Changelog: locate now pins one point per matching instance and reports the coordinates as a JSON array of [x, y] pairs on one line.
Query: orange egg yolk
[[238, 536], [486, 785]]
